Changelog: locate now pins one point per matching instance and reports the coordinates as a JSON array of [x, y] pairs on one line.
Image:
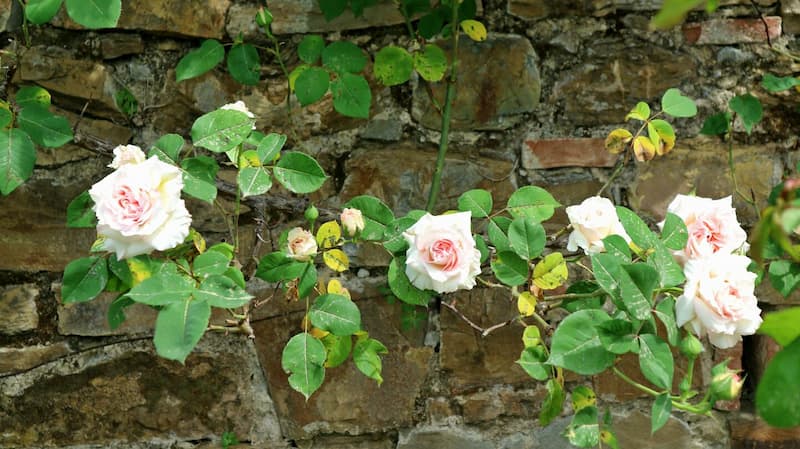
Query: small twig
[[763, 20], [483, 331], [617, 170]]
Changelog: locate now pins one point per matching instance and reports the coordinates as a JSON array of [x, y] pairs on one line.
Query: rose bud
[[691, 347], [352, 221]]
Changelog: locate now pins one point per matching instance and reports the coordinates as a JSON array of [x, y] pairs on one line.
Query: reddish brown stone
[[748, 432], [569, 152], [732, 31]]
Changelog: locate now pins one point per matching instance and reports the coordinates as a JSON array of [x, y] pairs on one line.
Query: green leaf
[[510, 269], [430, 25], [636, 229], [179, 327], [210, 263], [277, 266], [393, 65], [659, 415], [5, 117], [617, 336], [95, 13], [310, 48], [126, 102], [116, 311], [270, 146], [616, 246], [332, 9], [532, 202], [221, 291], [584, 430], [200, 60], [162, 289], [773, 83], [532, 361], [32, 96], [299, 172], [253, 181], [41, 11], [84, 279], [497, 228], [576, 344], [431, 62], [336, 314], [480, 244], [784, 276], [671, 274], [402, 287], [307, 280], [674, 234], [527, 237], [777, 393], [477, 201], [673, 12], [344, 57], [366, 355], [716, 124], [636, 284], [394, 241], [655, 361], [607, 271], [640, 112], [782, 325], [583, 397], [351, 95], [591, 302], [553, 403], [80, 212], [665, 311], [244, 64], [167, 148], [377, 216], [304, 358], [338, 349], [678, 105], [120, 269], [199, 177], [221, 130], [749, 109], [44, 127], [311, 85]]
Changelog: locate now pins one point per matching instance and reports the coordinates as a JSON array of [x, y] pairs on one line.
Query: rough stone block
[[123, 393], [90, 319], [115, 45], [790, 13], [5, 14], [632, 428], [732, 31], [498, 81], [750, 432], [702, 165], [568, 152], [763, 350], [17, 360], [443, 438], [18, 309], [403, 186], [347, 442], [347, 396]]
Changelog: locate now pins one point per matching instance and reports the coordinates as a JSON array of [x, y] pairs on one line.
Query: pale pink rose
[[712, 226], [241, 107], [302, 245], [139, 208], [127, 154], [592, 221], [718, 299], [352, 221], [442, 255]]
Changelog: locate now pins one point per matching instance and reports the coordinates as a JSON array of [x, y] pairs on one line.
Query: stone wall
[[536, 100]]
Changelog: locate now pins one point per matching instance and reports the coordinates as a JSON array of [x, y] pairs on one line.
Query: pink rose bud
[[302, 245], [727, 386], [352, 221]]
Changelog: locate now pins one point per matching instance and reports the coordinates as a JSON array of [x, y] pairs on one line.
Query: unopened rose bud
[[690, 346], [352, 221], [727, 386], [311, 214], [263, 17], [301, 244]]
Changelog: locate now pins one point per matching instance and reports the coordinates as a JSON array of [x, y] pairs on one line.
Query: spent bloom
[[301, 244], [592, 221]]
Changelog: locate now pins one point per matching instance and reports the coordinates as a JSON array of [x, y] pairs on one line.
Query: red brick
[[731, 31], [568, 152]]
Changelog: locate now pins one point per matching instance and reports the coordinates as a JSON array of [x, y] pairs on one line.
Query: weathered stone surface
[[498, 80], [5, 14], [702, 165], [349, 402], [767, 294], [442, 438], [400, 176], [602, 89], [18, 309], [633, 430], [115, 45], [575, 152], [750, 432], [180, 17], [91, 134], [471, 361], [387, 130], [790, 13], [537, 9], [347, 442], [33, 218], [763, 350], [17, 360], [502, 402], [732, 31], [90, 319], [569, 194], [123, 392]]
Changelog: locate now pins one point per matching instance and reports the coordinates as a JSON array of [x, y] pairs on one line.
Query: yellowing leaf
[[329, 234], [640, 112], [318, 333], [335, 287], [336, 260], [198, 241], [582, 397], [249, 158], [295, 74], [526, 303], [666, 136], [474, 29], [643, 149], [551, 272], [616, 140], [140, 270], [531, 337]]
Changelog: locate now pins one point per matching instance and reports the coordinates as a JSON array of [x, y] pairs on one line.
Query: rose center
[[708, 230], [444, 254], [134, 206]]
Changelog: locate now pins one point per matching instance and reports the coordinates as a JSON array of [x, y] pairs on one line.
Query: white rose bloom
[[127, 154], [442, 255], [302, 245], [241, 107], [712, 226], [718, 299], [592, 221], [139, 208]]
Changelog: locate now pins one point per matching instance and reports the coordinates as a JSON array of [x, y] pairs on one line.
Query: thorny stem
[[436, 183], [678, 404], [732, 166]]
